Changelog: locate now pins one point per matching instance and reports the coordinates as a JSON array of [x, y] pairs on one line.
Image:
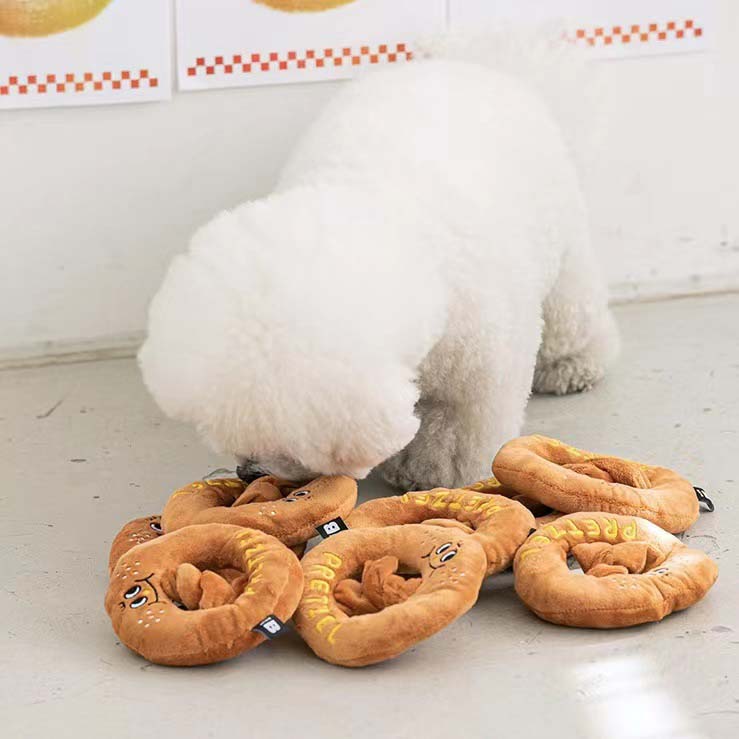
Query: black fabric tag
[[705, 500], [334, 526], [271, 627]]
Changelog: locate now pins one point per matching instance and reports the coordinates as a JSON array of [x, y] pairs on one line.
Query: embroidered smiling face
[[141, 593], [136, 600], [441, 554], [155, 524]]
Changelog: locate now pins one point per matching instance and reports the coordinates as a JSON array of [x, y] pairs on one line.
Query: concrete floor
[[83, 449]]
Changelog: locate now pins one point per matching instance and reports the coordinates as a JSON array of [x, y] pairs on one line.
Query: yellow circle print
[[303, 6], [45, 17]]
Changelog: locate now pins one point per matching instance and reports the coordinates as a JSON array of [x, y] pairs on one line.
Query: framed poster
[[607, 28], [231, 43], [84, 52]]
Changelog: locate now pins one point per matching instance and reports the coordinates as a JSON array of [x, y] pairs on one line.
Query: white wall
[[665, 193], [95, 201]]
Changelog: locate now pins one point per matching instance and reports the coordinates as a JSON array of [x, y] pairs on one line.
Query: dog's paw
[[400, 472], [411, 470], [431, 459], [566, 375]]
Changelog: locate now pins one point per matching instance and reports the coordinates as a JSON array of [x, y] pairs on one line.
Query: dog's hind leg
[[579, 337], [474, 386]]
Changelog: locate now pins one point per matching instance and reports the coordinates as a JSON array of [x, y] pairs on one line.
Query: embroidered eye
[[132, 592], [660, 571], [289, 500], [443, 548], [449, 555], [156, 526], [139, 602], [301, 493]]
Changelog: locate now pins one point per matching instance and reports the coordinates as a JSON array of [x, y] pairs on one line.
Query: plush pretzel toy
[[634, 572], [500, 525], [138, 531], [569, 480], [354, 624], [268, 504], [143, 529], [168, 603], [194, 589]]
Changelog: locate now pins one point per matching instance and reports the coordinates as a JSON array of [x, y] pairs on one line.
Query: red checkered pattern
[[643, 33], [347, 56], [44, 84]]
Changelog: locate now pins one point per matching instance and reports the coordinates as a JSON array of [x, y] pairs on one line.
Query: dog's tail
[[541, 58]]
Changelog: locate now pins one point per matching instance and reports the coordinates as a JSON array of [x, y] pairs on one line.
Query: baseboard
[[45, 353], [125, 346], [695, 286]]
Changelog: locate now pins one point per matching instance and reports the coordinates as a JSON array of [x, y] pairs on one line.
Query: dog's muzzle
[[249, 470]]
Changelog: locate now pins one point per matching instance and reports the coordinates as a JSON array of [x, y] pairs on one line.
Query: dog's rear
[[386, 301]]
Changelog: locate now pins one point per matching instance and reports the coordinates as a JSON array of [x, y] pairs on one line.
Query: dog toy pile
[[219, 573]]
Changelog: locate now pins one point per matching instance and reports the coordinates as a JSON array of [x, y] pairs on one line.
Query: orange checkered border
[[643, 33], [44, 84], [274, 61]]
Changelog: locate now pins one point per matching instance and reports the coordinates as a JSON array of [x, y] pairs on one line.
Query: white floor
[[83, 449]]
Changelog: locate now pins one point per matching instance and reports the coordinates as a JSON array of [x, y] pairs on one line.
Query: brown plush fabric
[[291, 516], [635, 572], [451, 566], [141, 530], [499, 524], [265, 488], [150, 580], [570, 480], [548, 518], [380, 587], [493, 486], [135, 532]]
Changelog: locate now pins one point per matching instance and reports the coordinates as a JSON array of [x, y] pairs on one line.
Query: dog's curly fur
[[424, 259]]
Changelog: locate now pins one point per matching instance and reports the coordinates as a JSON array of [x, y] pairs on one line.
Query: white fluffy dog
[[423, 263]]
